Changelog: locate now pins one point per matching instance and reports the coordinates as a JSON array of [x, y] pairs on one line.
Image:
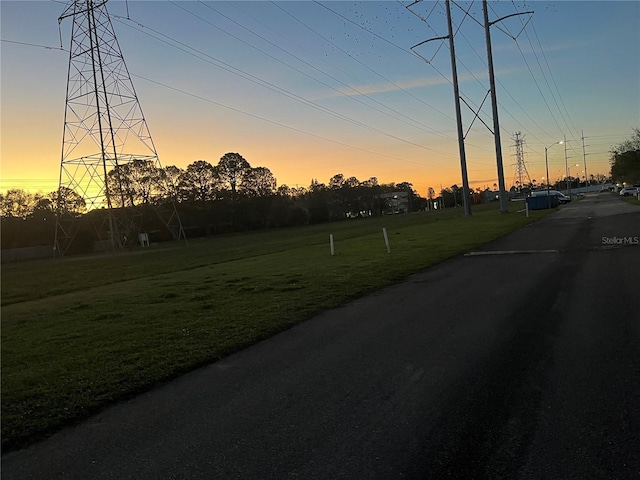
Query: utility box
[[542, 202], [143, 238]]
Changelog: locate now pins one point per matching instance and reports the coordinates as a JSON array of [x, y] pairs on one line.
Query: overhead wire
[[553, 78], [546, 80], [466, 99], [234, 70], [33, 45], [502, 106], [402, 49], [467, 14], [245, 75], [391, 82], [394, 45], [543, 96], [289, 127], [416, 124], [551, 75], [279, 90]]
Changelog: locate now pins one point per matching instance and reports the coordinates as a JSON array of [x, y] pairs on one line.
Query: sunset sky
[[311, 89]]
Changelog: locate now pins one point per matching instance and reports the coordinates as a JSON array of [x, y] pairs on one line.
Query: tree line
[[210, 199], [625, 160], [234, 196]]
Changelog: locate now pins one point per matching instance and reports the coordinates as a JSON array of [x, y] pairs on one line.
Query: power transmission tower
[[106, 141], [521, 172]]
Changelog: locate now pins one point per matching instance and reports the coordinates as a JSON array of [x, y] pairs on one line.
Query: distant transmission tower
[[521, 172], [106, 148]]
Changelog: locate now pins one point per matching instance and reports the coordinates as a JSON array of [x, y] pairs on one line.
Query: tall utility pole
[[456, 95], [566, 166], [456, 98], [494, 104], [584, 157], [105, 139]]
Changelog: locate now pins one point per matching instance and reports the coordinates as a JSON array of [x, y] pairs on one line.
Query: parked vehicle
[[629, 191], [562, 198]]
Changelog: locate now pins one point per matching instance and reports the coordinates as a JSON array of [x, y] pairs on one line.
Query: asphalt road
[[521, 361]]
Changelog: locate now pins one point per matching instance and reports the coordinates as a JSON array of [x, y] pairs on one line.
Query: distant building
[[395, 202], [490, 196]]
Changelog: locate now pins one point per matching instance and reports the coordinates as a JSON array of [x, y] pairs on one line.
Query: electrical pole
[[566, 166], [456, 97], [494, 105], [584, 157], [456, 94]]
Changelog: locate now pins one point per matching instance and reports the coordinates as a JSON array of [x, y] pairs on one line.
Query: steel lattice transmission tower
[[108, 156], [521, 171]]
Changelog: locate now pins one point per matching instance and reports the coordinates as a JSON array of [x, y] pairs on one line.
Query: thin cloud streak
[[373, 89]]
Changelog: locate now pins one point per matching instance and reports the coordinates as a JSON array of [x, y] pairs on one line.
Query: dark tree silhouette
[[200, 182], [134, 183], [259, 182], [171, 182], [625, 160], [232, 170]]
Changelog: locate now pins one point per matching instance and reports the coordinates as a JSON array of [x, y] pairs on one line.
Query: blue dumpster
[[540, 202]]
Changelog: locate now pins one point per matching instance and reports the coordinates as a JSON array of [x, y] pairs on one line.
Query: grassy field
[[81, 333]]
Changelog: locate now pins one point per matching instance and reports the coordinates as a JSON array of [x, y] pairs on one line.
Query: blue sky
[[311, 89]]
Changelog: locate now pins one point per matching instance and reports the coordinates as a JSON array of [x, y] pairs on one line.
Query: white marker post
[[331, 243], [386, 240]]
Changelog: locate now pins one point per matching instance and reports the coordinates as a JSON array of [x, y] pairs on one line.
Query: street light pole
[[584, 156], [566, 166], [546, 163], [570, 180]]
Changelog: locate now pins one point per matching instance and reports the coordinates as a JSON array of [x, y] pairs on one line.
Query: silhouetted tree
[[232, 170], [200, 182], [135, 183], [336, 181], [67, 201], [259, 182], [17, 203], [318, 202], [171, 183], [625, 160]]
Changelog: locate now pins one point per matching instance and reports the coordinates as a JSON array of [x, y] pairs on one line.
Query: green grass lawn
[[631, 199], [81, 333]]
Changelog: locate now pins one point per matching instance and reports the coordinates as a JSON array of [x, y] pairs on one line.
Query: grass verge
[[631, 199], [82, 333]]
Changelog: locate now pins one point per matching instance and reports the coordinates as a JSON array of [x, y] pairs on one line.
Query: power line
[[553, 78], [309, 65], [269, 85], [391, 82], [33, 45], [289, 127]]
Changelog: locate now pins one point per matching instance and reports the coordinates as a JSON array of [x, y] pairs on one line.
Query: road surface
[[520, 361]]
